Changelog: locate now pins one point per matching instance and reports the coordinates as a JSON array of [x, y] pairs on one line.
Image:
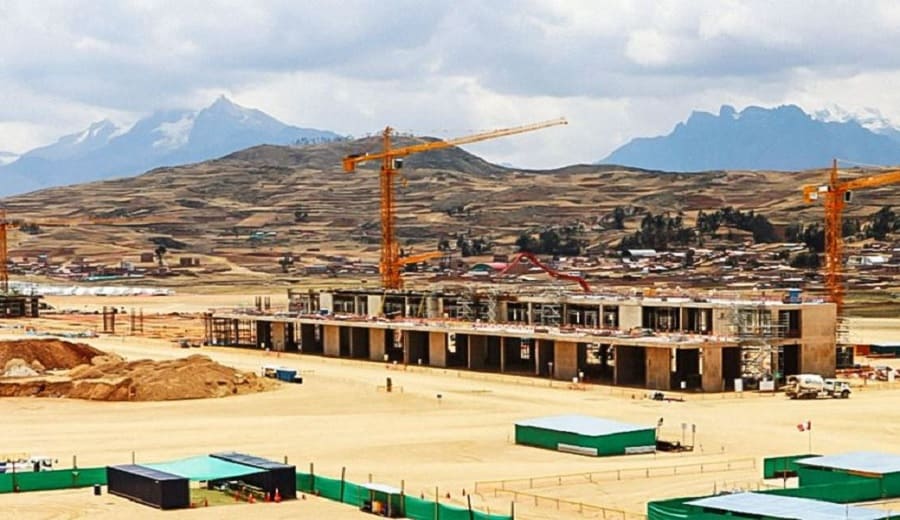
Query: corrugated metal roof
[[864, 461], [582, 425], [249, 460], [144, 471], [383, 488], [775, 506]]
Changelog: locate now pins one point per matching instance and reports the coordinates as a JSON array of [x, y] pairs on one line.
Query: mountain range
[[165, 138], [783, 138]]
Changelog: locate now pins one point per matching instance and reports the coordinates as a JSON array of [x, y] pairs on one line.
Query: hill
[[240, 213], [165, 138], [783, 138]]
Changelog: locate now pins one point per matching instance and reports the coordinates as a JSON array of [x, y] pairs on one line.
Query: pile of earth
[[107, 377]]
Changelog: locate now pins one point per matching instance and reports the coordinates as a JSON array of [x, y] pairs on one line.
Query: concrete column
[[277, 334], [659, 367], [502, 354], [712, 380], [374, 303], [630, 316], [565, 360], [437, 349], [331, 340], [376, 344], [477, 351], [537, 356]]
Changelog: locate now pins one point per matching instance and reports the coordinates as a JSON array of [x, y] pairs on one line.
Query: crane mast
[[391, 264], [836, 194]]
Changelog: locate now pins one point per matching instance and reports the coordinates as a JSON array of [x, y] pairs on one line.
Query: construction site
[[528, 392]]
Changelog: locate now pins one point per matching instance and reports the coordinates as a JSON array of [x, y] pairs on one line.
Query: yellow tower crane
[[391, 160], [835, 195]]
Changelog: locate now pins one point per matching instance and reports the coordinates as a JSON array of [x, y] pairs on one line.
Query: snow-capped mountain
[[7, 157], [165, 138], [869, 118], [756, 138]]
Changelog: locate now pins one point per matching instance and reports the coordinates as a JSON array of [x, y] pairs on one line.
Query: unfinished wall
[[565, 360], [817, 347], [477, 351], [630, 316], [331, 340], [376, 344], [359, 342], [437, 349], [659, 367], [712, 380]]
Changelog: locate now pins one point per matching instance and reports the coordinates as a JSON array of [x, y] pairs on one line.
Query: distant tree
[[286, 261], [618, 218], [160, 253], [883, 222]]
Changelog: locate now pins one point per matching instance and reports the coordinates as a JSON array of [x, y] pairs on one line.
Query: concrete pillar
[[659, 367], [277, 334], [376, 344], [374, 304], [565, 360], [477, 351], [331, 340], [437, 349], [630, 316], [537, 356], [711, 362], [502, 354]]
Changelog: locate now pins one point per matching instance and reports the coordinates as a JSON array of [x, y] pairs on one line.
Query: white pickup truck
[[812, 386]]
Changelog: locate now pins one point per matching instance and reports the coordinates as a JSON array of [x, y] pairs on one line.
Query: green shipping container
[[586, 435]]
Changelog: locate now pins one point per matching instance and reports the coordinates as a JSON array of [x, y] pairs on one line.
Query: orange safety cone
[[205, 502], [251, 499], [266, 497], [277, 496], [237, 496]]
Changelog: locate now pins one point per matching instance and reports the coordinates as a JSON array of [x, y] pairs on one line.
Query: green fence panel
[[418, 509], [304, 482], [773, 465], [354, 494], [6, 483], [47, 480], [448, 512], [478, 515], [674, 509], [328, 487]]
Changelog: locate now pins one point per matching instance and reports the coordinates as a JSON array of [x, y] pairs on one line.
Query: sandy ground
[[340, 418]]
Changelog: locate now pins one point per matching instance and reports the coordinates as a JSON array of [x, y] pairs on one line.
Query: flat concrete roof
[[512, 330], [862, 461], [582, 425], [775, 506]]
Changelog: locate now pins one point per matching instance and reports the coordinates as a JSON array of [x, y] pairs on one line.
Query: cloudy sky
[[615, 69]]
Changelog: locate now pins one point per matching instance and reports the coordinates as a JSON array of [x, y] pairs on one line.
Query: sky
[[615, 69]]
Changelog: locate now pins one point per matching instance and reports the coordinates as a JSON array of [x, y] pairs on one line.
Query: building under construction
[[656, 342], [19, 306]]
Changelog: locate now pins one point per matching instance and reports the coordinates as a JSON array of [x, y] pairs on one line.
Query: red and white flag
[[804, 427]]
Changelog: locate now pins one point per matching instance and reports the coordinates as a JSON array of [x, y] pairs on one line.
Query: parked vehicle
[[813, 386]]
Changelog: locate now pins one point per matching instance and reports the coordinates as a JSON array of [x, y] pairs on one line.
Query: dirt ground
[[339, 417]]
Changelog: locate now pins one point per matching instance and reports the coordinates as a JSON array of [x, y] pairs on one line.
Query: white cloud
[[618, 69]]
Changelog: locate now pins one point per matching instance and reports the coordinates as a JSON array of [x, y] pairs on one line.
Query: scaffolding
[[756, 330]]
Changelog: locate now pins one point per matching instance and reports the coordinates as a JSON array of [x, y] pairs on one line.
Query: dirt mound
[[52, 354], [108, 377]]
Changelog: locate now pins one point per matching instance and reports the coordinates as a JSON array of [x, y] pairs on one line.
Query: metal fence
[[486, 486]]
